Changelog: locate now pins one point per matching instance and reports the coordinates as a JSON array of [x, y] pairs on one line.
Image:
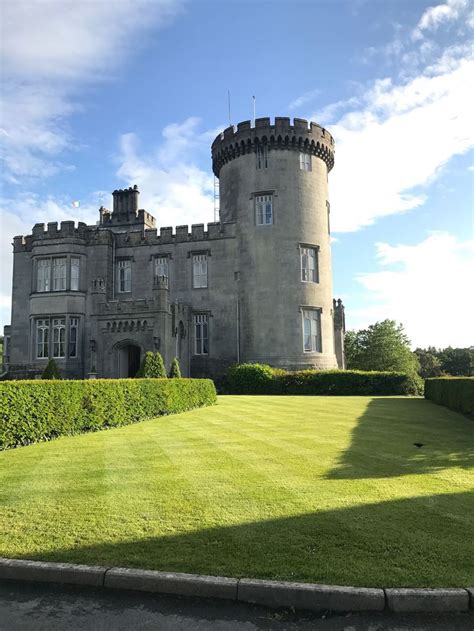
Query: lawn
[[325, 489]]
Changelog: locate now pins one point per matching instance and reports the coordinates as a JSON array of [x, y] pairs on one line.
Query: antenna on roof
[[228, 102], [253, 98]]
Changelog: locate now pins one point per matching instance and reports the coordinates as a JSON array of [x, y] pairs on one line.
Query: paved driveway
[[36, 607]]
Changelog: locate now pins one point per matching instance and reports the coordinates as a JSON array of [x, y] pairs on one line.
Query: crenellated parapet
[[299, 136]]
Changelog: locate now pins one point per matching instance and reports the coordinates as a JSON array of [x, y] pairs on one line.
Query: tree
[[457, 361], [51, 371], [430, 365], [175, 371], [153, 366], [382, 346], [159, 367]]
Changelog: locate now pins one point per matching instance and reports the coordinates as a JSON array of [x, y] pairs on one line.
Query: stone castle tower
[[255, 286], [286, 167]]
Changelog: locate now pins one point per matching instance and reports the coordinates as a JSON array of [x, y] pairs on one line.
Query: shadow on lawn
[[421, 541], [406, 436]]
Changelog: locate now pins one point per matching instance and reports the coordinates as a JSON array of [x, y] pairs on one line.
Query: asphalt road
[[41, 607]]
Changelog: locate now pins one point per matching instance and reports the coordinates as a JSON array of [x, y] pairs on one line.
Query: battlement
[[302, 135]]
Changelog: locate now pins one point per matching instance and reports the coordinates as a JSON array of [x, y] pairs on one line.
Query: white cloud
[[426, 287], [393, 146], [50, 51], [439, 14], [174, 189], [304, 99]]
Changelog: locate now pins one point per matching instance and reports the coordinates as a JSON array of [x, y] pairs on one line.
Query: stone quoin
[[254, 287]]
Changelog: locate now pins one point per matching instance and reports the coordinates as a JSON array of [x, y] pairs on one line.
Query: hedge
[[262, 379], [455, 393], [32, 411]]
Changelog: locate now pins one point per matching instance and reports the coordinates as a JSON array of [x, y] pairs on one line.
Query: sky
[[104, 94]]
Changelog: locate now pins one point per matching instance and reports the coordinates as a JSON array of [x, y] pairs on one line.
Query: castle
[[254, 287]]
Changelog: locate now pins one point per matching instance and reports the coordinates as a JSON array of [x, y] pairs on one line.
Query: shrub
[[262, 379], [249, 379], [31, 411], [51, 371], [455, 393], [175, 370], [152, 366]]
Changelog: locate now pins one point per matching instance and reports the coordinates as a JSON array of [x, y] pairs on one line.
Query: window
[[42, 339], [59, 274], [199, 270], [328, 206], [309, 265], [124, 280], [161, 266], [44, 272], [75, 266], [59, 337], [312, 331], [305, 161], [263, 210], [201, 334], [73, 336], [262, 156]]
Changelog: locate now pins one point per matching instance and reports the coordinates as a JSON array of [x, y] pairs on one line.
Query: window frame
[[43, 264], [75, 279], [73, 325], [200, 260], [201, 341], [164, 262], [59, 263], [45, 328], [262, 156], [315, 250], [313, 316], [124, 265], [306, 163], [58, 328], [261, 202]]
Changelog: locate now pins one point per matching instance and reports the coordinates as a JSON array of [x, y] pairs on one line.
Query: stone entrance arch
[[128, 357]]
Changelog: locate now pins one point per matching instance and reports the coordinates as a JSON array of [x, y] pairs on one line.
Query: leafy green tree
[[146, 369], [159, 366], [457, 361], [175, 370], [430, 365], [382, 346], [51, 371]]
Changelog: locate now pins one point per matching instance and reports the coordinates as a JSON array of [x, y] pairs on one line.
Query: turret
[[273, 182]]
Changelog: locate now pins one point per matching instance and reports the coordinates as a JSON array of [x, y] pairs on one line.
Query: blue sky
[[104, 94]]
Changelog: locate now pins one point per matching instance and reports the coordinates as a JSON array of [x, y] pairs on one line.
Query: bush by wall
[[152, 366], [51, 371], [455, 393], [31, 411], [262, 379], [175, 370]]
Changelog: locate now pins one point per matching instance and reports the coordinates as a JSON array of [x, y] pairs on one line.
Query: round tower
[[273, 182]]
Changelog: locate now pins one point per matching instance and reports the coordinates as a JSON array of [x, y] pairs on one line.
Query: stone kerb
[[301, 135]]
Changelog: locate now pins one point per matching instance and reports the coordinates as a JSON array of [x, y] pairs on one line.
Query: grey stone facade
[[255, 286]]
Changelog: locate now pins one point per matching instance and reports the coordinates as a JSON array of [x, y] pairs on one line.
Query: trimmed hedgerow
[[262, 379], [32, 411], [455, 393]]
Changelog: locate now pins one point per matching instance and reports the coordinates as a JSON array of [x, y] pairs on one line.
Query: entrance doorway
[[128, 360]]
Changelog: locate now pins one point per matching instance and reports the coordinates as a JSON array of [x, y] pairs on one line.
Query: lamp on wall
[[156, 342]]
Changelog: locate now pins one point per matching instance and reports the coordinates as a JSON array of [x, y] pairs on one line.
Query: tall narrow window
[[199, 270], [305, 161], [328, 206], [59, 337], [59, 274], [44, 274], [75, 268], [262, 156], [124, 277], [161, 266], [201, 334], [312, 331], [42, 339], [263, 210], [73, 336], [309, 265]]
